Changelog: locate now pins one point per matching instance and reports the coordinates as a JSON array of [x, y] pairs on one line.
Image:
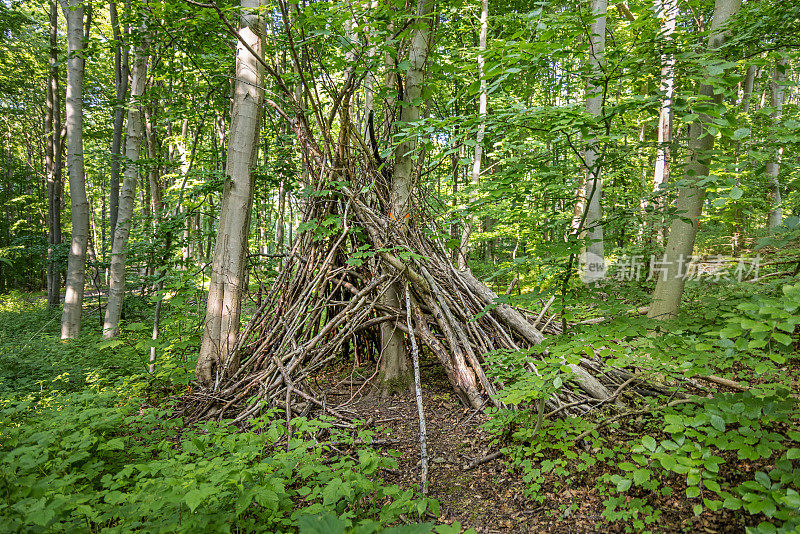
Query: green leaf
[[649, 442], [781, 338], [640, 476], [196, 496], [732, 503], [692, 492], [736, 193], [717, 422], [741, 133]]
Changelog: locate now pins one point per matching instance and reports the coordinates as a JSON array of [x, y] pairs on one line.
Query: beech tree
[[53, 157], [667, 12], [587, 219], [482, 110], [394, 355], [127, 198], [76, 266], [121, 72], [683, 230], [777, 96], [223, 306]]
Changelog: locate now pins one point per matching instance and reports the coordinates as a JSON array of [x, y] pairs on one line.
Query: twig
[[544, 310], [480, 461], [723, 382]]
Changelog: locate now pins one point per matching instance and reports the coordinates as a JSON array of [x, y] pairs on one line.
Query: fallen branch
[[480, 461]]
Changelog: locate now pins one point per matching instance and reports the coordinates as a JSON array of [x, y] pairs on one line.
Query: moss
[[399, 384]]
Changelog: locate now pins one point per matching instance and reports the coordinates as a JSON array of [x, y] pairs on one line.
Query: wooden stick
[[480, 461], [423, 434], [544, 310]]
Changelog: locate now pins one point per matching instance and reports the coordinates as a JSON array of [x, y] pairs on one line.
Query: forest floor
[[574, 494], [490, 497]]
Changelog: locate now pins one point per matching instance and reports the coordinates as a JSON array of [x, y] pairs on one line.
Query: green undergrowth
[[90, 443], [731, 457], [95, 460]]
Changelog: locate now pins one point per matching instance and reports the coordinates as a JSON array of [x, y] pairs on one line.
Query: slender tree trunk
[[369, 78], [73, 301], [588, 213], [394, 365], [482, 109], [121, 82], [53, 164], [667, 11], [280, 223], [683, 230], [127, 200], [224, 295], [742, 147], [778, 96]]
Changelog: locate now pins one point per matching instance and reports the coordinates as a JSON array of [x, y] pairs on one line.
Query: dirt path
[[488, 498]]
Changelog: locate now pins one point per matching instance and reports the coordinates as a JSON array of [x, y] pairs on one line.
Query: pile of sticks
[[327, 304]]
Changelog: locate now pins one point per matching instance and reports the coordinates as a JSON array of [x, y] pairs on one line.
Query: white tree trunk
[[223, 307], [394, 367], [127, 198], [683, 230], [778, 96], [482, 110], [76, 265], [667, 11], [588, 209]]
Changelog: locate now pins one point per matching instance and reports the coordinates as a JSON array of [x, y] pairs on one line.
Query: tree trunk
[[121, 81], [667, 11], [280, 222], [778, 95], [482, 109], [73, 301], [683, 230], [127, 200], [53, 164], [588, 213], [742, 146], [217, 355], [394, 365]]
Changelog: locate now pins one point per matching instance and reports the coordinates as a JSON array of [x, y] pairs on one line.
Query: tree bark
[[394, 365], [73, 301], [588, 213], [683, 230], [667, 11], [223, 307], [121, 82], [53, 164], [127, 200], [778, 95], [482, 110]]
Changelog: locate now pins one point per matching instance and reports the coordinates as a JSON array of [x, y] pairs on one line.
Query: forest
[[401, 266]]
